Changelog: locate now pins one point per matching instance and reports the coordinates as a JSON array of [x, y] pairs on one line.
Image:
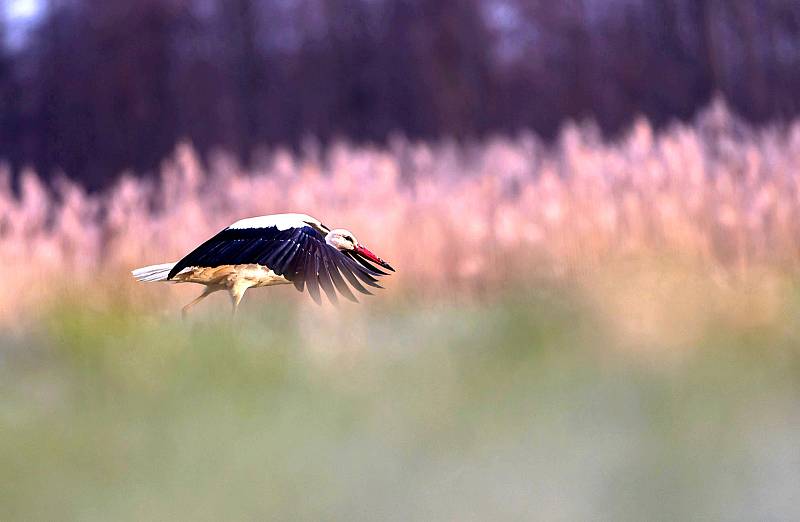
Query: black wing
[[300, 254]]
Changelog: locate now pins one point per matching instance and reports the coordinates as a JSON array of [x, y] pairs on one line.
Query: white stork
[[274, 250]]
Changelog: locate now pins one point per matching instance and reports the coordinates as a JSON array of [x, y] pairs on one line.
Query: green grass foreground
[[522, 409]]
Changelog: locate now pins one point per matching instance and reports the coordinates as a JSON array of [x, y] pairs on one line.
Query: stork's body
[[272, 250]]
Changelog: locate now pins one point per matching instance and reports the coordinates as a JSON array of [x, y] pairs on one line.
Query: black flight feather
[[336, 277], [325, 277], [348, 274], [312, 274]]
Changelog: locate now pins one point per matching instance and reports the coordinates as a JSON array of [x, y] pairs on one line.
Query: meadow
[[587, 330]]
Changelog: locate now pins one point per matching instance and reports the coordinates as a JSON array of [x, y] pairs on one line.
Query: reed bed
[[715, 195]]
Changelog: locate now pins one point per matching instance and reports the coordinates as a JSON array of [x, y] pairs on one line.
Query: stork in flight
[[274, 250]]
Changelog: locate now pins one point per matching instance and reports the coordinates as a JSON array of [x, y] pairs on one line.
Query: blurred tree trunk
[[246, 63], [705, 26]]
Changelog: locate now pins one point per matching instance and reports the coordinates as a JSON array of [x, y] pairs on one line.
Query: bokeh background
[[593, 207]]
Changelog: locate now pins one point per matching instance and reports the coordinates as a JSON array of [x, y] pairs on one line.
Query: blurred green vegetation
[[525, 408]]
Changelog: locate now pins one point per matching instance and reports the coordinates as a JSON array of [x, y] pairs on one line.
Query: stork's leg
[[237, 293], [208, 290]]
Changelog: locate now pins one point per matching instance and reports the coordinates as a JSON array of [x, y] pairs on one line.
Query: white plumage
[[153, 273], [279, 221]]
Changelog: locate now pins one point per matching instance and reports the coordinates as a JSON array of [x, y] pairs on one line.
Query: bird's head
[[344, 241]]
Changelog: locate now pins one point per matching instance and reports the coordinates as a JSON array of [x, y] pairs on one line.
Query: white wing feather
[[281, 221]]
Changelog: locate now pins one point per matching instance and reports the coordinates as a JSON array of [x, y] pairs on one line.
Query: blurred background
[[593, 207], [94, 87]]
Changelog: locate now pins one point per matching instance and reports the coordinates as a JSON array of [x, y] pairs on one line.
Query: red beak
[[372, 257]]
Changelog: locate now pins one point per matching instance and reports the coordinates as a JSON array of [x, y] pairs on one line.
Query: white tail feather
[[153, 273]]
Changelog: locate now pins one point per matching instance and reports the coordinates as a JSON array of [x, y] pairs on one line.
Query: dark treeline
[[99, 86]]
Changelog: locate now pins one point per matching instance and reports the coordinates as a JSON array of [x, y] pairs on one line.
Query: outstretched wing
[[300, 254]]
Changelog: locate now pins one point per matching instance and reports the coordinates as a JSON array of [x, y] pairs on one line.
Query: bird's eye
[[350, 238]]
